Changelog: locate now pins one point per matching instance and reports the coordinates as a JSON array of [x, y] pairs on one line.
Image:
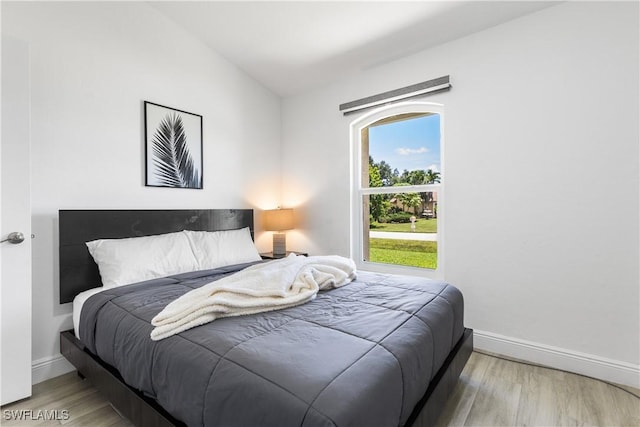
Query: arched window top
[[386, 111]]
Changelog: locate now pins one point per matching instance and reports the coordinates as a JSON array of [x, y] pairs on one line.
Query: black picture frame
[[173, 147]]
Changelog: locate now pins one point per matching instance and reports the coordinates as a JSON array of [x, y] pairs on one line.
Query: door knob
[[15, 238]]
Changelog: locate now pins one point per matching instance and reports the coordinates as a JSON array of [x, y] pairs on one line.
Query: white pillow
[[215, 249], [125, 261]]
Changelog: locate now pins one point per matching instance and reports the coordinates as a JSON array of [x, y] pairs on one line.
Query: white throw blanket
[[274, 285]]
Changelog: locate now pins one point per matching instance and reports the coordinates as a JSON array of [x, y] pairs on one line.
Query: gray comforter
[[361, 355]]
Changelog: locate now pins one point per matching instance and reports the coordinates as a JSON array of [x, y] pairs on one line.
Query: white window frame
[[357, 191]]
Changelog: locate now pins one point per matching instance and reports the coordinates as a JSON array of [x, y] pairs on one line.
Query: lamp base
[[279, 244]]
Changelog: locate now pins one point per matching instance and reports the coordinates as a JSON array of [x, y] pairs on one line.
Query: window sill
[[375, 267]]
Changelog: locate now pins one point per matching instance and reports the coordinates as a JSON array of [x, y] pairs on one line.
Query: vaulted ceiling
[[292, 46]]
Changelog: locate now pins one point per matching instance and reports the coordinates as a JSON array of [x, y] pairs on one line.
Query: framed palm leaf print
[[173, 141]]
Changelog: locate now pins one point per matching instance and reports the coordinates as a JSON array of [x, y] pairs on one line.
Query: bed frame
[[78, 272]]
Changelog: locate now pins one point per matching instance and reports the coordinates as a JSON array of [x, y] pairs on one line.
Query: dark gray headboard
[[78, 271]]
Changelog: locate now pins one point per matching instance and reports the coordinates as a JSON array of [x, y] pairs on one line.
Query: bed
[[382, 350]]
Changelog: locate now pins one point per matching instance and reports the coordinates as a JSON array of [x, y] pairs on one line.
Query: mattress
[[78, 303], [361, 355]]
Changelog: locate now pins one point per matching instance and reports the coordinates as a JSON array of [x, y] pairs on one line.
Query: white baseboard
[[49, 367], [568, 360]]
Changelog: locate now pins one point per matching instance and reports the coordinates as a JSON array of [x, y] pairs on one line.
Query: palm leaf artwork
[[171, 156]]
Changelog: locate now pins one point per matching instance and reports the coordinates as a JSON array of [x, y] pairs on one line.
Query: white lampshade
[[278, 219]]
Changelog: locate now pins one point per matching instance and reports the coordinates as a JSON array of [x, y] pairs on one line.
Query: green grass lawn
[[422, 226], [404, 252]]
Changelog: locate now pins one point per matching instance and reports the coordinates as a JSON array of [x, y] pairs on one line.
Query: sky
[[407, 144]]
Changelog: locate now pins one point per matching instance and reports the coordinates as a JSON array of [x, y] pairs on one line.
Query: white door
[[15, 205]]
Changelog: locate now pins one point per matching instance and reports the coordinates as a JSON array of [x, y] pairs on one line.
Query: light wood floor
[[491, 392], [497, 392]]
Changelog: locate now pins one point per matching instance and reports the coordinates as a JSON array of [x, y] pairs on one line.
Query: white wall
[[541, 179], [93, 64]]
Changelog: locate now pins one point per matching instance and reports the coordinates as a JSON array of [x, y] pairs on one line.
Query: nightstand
[[270, 255]]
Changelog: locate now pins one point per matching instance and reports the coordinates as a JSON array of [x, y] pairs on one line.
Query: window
[[397, 208]]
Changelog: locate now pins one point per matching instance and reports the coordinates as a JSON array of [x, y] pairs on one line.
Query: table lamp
[[279, 220]]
